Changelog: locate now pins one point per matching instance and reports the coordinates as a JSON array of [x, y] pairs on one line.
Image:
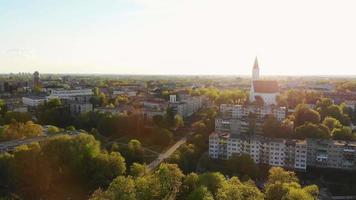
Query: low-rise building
[[80, 107], [154, 107], [33, 101], [69, 94]]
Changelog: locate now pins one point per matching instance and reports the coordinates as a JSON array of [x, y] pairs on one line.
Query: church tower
[[255, 70]]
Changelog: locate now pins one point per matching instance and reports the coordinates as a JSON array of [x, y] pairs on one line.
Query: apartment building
[[69, 94], [291, 154], [186, 106], [287, 153], [33, 101], [80, 107], [260, 113], [238, 119], [331, 154], [153, 107]]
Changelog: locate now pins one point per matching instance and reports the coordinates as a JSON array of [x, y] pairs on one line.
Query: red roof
[[265, 86]]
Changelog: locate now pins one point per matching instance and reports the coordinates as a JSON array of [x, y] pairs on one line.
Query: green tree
[[272, 127], [212, 180], [310, 130], [178, 121], [52, 129], [344, 133], [122, 188], [331, 123], [17, 116], [138, 170], [242, 165], [190, 183], [304, 114], [170, 179], [201, 193], [283, 184]]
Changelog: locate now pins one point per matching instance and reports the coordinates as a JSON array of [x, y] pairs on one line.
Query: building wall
[[32, 102], [331, 154], [270, 151]]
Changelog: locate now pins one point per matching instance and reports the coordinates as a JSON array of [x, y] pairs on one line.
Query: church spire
[[255, 66], [255, 70]]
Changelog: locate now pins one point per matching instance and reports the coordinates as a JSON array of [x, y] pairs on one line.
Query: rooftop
[[265, 86]]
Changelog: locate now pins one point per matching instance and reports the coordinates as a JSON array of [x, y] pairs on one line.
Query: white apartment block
[[129, 93], [33, 101], [331, 154], [69, 94], [80, 108], [187, 105], [154, 107], [291, 154], [243, 111]]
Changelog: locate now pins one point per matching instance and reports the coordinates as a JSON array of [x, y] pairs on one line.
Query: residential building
[[33, 101], [291, 154], [153, 107], [186, 106], [331, 154], [80, 107], [243, 112], [69, 94]]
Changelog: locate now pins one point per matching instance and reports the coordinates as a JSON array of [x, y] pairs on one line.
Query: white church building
[[267, 90]]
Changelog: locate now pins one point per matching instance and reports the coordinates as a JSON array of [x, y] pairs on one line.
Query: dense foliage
[[59, 168], [19, 130], [168, 182]]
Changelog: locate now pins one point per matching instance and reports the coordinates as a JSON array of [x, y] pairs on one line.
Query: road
[[8, 146], [166, 154], [11, 145]]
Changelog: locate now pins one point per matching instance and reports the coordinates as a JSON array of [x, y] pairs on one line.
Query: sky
[[300, 37]]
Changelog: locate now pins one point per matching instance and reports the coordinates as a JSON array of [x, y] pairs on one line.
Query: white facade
[[80, 108], [268, 98], [186, 106], [270, 151], [242, 112], [129, 93], [153, 108], [33, 101], [67, 94], [266, 90]]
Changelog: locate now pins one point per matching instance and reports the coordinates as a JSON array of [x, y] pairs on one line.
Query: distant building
[[260, 112], [80, 107], [69, 94], [121, 109], [33, 101], [267, 90], [2, 86], [126, 92], [186, 106], [154, 107], [36, 79]]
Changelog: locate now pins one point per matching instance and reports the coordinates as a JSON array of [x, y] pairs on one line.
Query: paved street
[[11, 145], [166, 154]]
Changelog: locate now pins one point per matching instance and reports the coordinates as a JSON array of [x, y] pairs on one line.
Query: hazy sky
[[178, 36]]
